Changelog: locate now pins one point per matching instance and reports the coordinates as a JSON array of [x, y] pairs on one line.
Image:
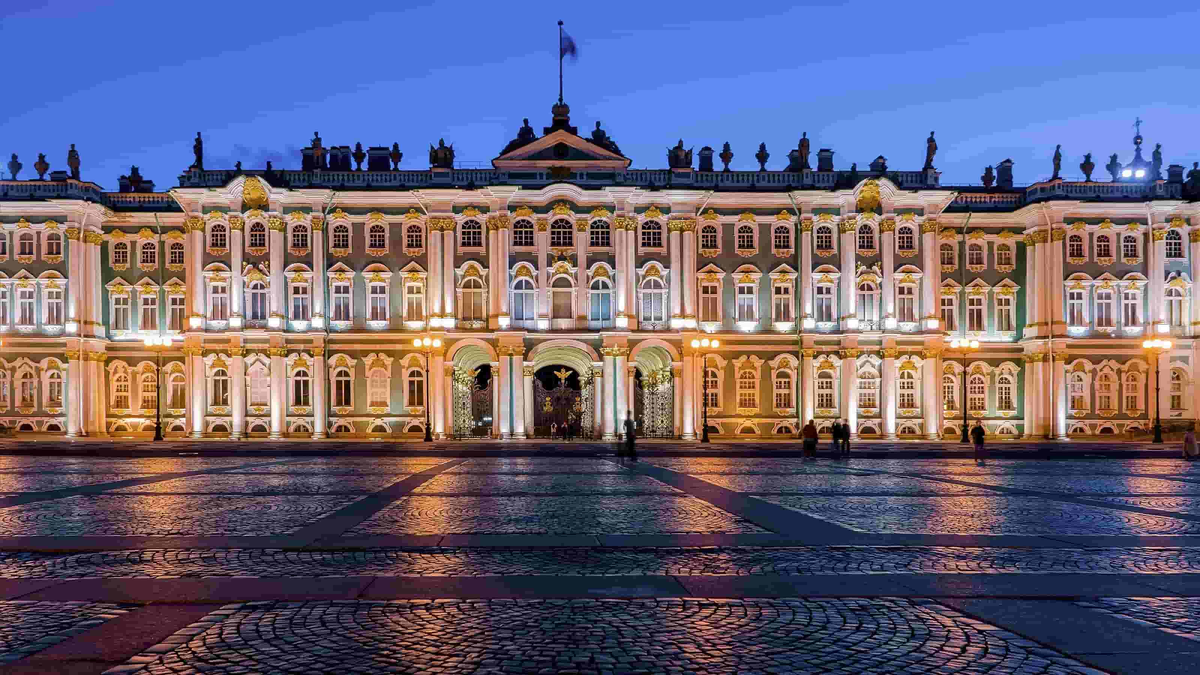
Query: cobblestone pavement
[[590, 561], [13, 483], [1085, 484], [658, 636], [843, 483], [160, 515], [349, 465], [29, 627], [1177, 616], [980, 515], [270, 483], [1185, 505], [575, 514], [544, 484]]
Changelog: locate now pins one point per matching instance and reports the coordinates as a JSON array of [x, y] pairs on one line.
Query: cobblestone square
[[1177, 616], [548, 484], [29, 627], [270, 483], [14, 483], [845, 483]]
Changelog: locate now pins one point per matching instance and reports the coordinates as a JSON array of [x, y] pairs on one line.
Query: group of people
[[839, 435], [566, 431]]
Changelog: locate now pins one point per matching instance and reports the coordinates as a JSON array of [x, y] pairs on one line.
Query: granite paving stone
[[1184, 505], [13, 483], [270, 483], [697, 635], [28, 627], [1177, 616], [352, 465], [848, 483], [501, 484], [1085, 484]]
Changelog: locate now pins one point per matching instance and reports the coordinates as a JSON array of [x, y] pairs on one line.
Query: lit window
[[652, 235], [1005, 387], [1004, 256], [908, 390], [601, 234], [256, 305], [977, 393], [341, 302], [342, 389], [472, 234], [523, 233], [825, 384], [378, 302], [975, 255], [414, 237], [219, 387], [783, 390], [782, 302], [562, 234], [1103, 246], [747, 302], [301, 388], [747, 387], [120, 253], [710, 302], [218, 299], [947, 255], [906, 303]]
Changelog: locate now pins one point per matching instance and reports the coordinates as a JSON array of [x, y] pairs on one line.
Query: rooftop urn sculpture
[[41, 166], [678, 158], [930, 151], [14, 167], [1113, 167], [1156, 162], [804, 150], [988, 177], [1057, 161], [359, 156], [73, 162], [396, 156], [441, 157], [762, 156], [726, 157], [198, 151], [1087, 166]]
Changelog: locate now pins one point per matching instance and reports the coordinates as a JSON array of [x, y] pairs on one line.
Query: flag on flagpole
[[566, 46]]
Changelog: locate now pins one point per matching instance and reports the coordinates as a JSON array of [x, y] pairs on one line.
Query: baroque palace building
[[562, 285]]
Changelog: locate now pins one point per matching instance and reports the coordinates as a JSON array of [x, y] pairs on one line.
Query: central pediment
[[564, 149]]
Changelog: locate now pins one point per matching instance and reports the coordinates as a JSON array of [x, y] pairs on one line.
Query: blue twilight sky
[[132, 82]]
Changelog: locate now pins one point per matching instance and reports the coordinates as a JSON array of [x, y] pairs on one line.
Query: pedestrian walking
[[553, 430], [835, 435], [846, 440], [630, 436], [1190, 451], [977, 434], [810, 440]]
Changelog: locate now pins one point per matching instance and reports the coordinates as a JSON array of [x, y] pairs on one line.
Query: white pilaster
[[688, 402], [237, 297], [676, 290], [930, 394], [279, 310], [517, 377], [439, 392], [237, 396], [887, 249], [198, 404], [849, 378], [887, 393], [319, 286], [278, 389], [847, 305], [805, 273], [320, 406], [609, 406]]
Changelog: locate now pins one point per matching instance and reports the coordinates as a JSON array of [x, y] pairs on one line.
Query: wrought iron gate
[[654, 404], [472, 404], [563, 404]]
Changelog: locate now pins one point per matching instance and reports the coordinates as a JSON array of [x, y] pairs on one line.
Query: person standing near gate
[[846, 440], [810, 441], [977, 434], [630, 436], [835, 435]]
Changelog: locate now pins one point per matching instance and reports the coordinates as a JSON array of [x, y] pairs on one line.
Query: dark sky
[[132, 82]]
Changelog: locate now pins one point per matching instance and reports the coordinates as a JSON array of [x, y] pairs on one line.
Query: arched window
[[745, 237], [1174, 244], [416, 388], [25, 245], [218, 237], [747, 387], [977, 392], [258, 235], [343, 396], [652, 236], [471, 306], [600, 303], [524, 303], [377, 237], [340, 237], [301, 388], [1005, 387], [826, 400], [54, 389], [120, 252], [175, 254], [259, 393], [4, 388], [1103, 246], [523, 233], [600, 234], [975, 255], [414, 237], [1175, 307], [1104, 392], [708, 236], [905, 239], [177, 391], [654, 301], [1004, 256], [561, 298], [1177, 385], [1077, 388], [300, 236], [256, 301], [562, 233], [120, 391], [378, 390], [712, 388], [868, 301], [148, 390], [149, 253], [1129, 246], [1132, 393], [949, 392], [220, 387], [866, 238], [868, 389], [908, 390], [54, 244], [1075, 246], [472, 234], [783, 390], [783, 238], [946, 251], [824, 237]]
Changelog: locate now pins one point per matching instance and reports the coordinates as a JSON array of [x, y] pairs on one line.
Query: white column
[[1033, 290], [930, 293], [87, 385], [433, 295], [601, 408], [75, 282], [887, 394], [887, 250], [517, 377], [278, 389], [199, 400], [1058, 274], [674, 228], [630, 275], [448, 245], [99, 409], [320, 286], [506, 378], [1157, 274], [1194, 297], [610, 405], [320, 406], [688, 402], [847, 305], [805, 271], [810, 385], [542, 239], [193, 275], [628, 385], [439, 393], [581, 274], [74, 392], [1033, 395], [1163, 373], [237, 249], [689, 274], [527, 400], [849, 380], [930, 387], [620, 282], [278, 284], [1060, 396], [495, 400], [237, 399], [500, 290], [448, 403]]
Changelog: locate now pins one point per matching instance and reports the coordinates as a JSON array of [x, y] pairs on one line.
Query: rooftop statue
[[237, 166], [762, 156], [1193, 180], [726, 157], [525, 136], [1057, 161], [198, 151], [1087, 166], [14, 167], [135, 178], [1156, 162], [318, 150], [41, 166], [678, 158], [804, 150], [988, 177], [1113, 167], [441, 157], [601, 138], [396, 156], [930, 151], [73, 162]]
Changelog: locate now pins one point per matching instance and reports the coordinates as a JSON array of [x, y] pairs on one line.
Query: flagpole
[[560, 60]]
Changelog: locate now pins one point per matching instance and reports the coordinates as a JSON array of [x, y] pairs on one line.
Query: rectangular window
[[3, 306], [600, 235], [976, 393], [868, 393], [1129, 312], [54, 307], [120, 318], [1004, 314], [824, 306], [745, 303], [341, 302], [300, 302], [219, 302], [416, 391], [149, 394], [748, 390], [1131, 394], [414, 302], [949, 314], [975, 313], [523, 233], [175, 303], [783, 392], [825, 392], [3, 244], [379, 303], [25, 307], [1104, 309], [710, 302], [1004, 256], [712, 389], [783, 302], [256, 305], [178, 393], [1104, 393], [906, 304], [1075, 308], [908, 392], [1129, 247], [260, 388], [149, 318]]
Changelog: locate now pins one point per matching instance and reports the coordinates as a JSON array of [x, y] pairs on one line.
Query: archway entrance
[[560, 398], [654, 392], [473, 401]]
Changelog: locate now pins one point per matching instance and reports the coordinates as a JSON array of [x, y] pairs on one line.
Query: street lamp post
[[427, 345], [705, 343], [158, 343], [1155, 348], [965, 346]]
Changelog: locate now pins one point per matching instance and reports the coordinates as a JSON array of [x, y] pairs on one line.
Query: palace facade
[[561, 285]]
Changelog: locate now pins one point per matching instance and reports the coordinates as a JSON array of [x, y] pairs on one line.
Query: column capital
[[527, 371], [237, 351], [277, 351], [890, 352]]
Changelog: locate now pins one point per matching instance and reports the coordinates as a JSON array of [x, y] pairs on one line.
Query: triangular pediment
[[561, 148]]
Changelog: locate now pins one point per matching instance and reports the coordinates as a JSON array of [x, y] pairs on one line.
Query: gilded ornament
[[710, 215], [253, 194], [523, 272], [868, 197], [746, 217], [542, 225], [581, 224], [275, 223], [1058, 235], [193, 224], [848, 226], [806, 225], [601, 272], [888, 225], [930, 226], [523, 212], [562, 268], [470, 212], [237, 351], [890, 352], [72, 233], [825, 217], [746, 279], [653, 272], [652, 213], [1160, 235]]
